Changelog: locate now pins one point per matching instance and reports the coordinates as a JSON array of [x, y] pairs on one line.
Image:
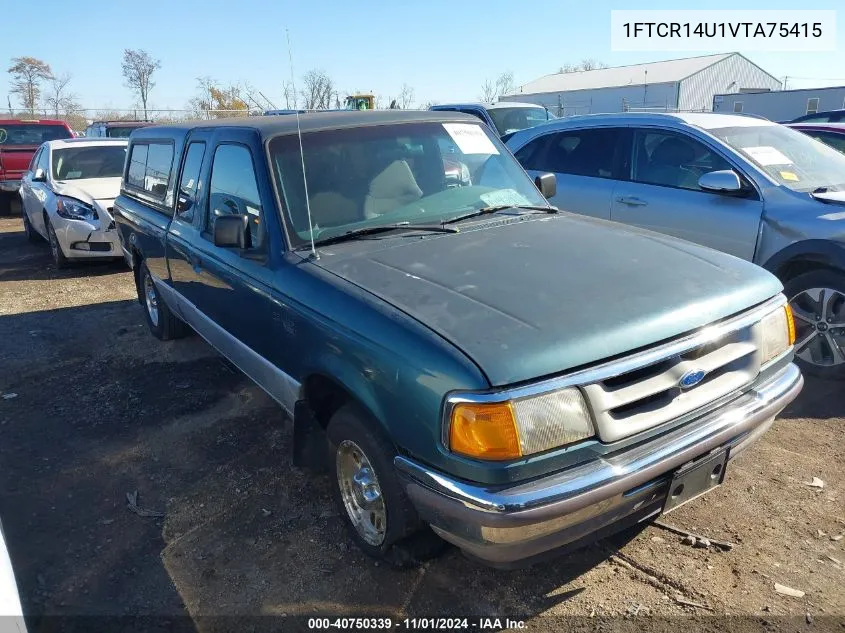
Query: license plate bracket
[[696, 478]]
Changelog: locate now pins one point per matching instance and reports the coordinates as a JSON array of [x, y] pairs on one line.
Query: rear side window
[[149, 168], [31, 133], [234, 190], [592, 152]]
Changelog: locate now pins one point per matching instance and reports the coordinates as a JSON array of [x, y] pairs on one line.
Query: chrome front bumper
[[502, 526]]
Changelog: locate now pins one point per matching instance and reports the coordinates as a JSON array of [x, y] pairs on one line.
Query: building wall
[[732, 74], [783, 105], [656, 97]]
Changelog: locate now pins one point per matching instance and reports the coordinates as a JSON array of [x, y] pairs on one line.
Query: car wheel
[[163, 324], [378, 514], [817, 300], [31, 234], [59, 258], [5, 204]]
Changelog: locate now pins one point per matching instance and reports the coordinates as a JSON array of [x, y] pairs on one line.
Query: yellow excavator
[[360, 102]]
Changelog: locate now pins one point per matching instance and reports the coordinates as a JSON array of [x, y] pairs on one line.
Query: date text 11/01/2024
[[434, 624]]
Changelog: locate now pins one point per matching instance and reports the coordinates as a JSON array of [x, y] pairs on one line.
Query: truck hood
[[539, 295], [89, 189]]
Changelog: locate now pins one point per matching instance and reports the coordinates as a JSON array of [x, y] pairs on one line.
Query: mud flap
[[309, 439]]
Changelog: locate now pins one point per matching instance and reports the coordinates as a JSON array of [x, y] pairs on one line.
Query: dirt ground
[[94, 408]]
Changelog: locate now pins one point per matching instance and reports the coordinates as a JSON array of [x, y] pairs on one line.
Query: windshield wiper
[[384, 228], [498, 207]]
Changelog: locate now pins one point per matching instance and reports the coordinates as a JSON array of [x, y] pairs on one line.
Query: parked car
[[67, 195], [505, 117], [19, 139], [743, 185], [114, 129], [519, 379], [832, 134], [831, 116]]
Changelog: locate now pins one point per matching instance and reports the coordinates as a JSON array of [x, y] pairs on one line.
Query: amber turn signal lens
[[790, 324], [485, 431]]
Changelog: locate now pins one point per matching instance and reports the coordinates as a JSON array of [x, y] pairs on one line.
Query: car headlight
[[73, 209], [777, 333], [519, 427]]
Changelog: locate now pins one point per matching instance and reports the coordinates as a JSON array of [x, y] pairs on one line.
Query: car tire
[[161, 321], [59, 258], [377, 512], [31, 234], [817, 299], [5, 204]]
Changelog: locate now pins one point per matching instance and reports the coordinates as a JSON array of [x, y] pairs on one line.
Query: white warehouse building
[[687, 84]]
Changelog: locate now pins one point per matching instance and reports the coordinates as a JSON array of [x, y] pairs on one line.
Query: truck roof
[[313, 121]]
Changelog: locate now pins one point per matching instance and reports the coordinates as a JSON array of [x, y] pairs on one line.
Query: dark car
[[19, 140], [832, 134], [458, 353], [831, 116], [114, 129]]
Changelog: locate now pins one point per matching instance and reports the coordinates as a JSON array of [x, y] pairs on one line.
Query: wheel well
[[136, 267], [799, 266], [324, 397]]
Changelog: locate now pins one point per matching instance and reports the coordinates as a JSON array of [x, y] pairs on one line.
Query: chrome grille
[[647, 396]]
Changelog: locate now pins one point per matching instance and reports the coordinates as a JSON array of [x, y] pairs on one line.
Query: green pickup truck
[[472, 361]]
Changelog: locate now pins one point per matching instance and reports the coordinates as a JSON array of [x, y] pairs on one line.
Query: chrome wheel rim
[[361, 493], [151, 299], [819, 326]]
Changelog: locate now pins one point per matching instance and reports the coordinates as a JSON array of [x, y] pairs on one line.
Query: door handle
[[631, 201]]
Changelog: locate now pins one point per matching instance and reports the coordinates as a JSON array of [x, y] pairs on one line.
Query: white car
[[11, 613], [67, 196]]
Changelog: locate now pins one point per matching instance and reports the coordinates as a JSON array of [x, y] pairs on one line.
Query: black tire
[[407, 540], [59, 258], [31, 234], [832, 281], [163, 324], [5, 204]]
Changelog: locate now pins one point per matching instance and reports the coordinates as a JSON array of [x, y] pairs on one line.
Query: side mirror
[[547, 184], [232, 231], [39, 176], [724, 181]]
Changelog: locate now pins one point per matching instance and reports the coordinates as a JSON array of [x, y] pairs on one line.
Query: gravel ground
[[103, 409]]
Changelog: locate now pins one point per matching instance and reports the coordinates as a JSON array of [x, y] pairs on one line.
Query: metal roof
[[668, 71]]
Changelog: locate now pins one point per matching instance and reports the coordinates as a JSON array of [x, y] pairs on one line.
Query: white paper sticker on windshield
[[766, 155], [470, 138], [503, 196], [73, 174], [252, 210]]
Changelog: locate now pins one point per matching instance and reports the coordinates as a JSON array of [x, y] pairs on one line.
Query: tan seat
[[332, 209], [394, 187]]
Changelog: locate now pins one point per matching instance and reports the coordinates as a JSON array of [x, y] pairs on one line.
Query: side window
[[836, 141], [673, 160], [531, 154], [149, 167], [234, 190], [595, 152], [189, 182]]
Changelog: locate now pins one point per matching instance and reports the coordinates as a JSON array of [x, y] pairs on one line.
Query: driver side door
[[662, 194]]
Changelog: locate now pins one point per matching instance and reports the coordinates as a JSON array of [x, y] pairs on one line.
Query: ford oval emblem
[[691, 378]]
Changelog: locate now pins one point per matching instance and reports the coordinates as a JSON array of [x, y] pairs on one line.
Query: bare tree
[[318, 90], [214, 101], [406, 97], [428, 104], [27, 74], [488, 91], [504, 84], [138, 70], [59, 98], [290, 95], [585, 64]]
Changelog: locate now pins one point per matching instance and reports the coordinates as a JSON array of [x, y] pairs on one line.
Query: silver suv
[[742, 185]]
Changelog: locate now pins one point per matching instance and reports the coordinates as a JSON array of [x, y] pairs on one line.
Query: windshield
[[514, 119], [77, 163], [791, 158], [31, 133], [421, 173]]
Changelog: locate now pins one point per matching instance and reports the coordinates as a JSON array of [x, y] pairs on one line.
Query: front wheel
[[163, 324], [817, 300], [378, 513], [31, 235], [59, 258]]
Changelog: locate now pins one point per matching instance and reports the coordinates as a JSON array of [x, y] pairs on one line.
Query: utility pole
[[785, 82]]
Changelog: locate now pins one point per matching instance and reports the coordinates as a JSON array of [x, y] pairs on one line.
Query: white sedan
[[67, 196]]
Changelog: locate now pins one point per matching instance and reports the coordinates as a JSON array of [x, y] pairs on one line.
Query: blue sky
[[443, 49]]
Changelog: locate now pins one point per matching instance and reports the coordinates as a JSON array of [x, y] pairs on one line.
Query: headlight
[[515, 428], [777, 333], [73, 209]]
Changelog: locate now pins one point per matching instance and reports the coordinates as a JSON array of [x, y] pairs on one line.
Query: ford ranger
[[462, 356]]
